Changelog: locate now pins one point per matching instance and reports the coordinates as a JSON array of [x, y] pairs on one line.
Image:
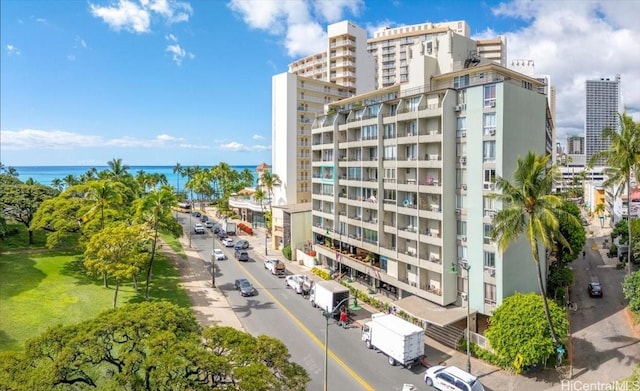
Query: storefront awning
[[430, 312]]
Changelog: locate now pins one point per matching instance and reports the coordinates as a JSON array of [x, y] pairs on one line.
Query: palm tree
[[599, 211], [268, 180], [117, 170], [155, 209], [622, 159], [70, 180], [529, 208], [11, 171], [57, 184], [178, 169]]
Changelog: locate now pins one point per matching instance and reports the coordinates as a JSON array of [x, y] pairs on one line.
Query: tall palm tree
[[57, 184], [622, 160], [155, 210], [11, 171], [178, 169], [70, 180], [599, 211], [117, 169], [529, 208], [269, 180]]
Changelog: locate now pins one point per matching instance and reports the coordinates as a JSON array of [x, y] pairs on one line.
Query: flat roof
[[431, 312]]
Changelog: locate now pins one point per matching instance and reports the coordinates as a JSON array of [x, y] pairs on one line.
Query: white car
[[451, 378], [219, 255], [298, 282], [228, 242]]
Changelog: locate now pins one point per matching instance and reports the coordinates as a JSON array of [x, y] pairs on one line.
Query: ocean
[[45, 174]]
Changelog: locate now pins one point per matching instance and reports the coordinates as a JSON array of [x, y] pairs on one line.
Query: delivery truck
[[328, 295], [229, 227], [401, 341]]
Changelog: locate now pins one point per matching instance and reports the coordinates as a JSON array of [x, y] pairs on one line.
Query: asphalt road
[[281, 313]]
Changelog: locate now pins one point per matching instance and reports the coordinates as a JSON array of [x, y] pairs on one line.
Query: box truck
[[229, 227], [401, 341], [328, 295]]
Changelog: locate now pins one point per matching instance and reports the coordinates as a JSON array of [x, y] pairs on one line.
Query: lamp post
[[328, 314], [213, 261], [466, 267]]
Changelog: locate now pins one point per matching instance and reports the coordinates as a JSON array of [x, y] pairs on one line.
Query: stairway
[[447, 335]]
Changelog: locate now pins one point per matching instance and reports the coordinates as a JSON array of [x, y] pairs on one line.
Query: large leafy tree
[[269, 181], [519, 334], [151, 346], [154, 209], [631, 290], [529, 208], [622, 160], [20, 201], [118, 250], [572, 231]]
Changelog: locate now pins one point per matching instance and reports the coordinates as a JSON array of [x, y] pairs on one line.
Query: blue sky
[[156, 82]]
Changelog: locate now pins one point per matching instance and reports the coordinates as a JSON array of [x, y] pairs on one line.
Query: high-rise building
[[575, 145], [402, 177], [602, 108]]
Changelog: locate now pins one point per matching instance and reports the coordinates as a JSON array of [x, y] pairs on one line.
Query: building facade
[[575, 145], [401, 179], [602, 108]]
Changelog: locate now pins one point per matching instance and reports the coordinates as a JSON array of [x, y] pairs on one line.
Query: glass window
[[490, 95], [490, 124], [489, 151], [370, 132], [460, 81], [461, 123], [489, 179], [489, 293], [489, 259], [390, 152], [461, 228], [390, 131]]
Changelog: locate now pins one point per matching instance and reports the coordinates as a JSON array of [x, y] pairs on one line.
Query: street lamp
[[213, 261], [328, 314], [466, 267]]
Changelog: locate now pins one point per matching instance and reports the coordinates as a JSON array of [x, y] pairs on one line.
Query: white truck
[[401, 341], [328, 294], [299, 283], [229, 227]]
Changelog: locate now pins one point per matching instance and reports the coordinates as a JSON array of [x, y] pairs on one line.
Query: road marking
[[315, 339]]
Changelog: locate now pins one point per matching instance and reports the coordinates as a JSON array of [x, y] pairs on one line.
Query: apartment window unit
[[390, 152], [389, 173], [370, 132], [489, 204], [527, 85], [462, 284], [461, 124], [354, 173], [489, 124], [461, 228], [489, 259], [411, 152], [412, 128], [462, 97], [487, 229], [462, 252], [489, 178], [489, 151], [460, 81], [370, 236], [412, 104], [390, 194], [489, 95], [327, 189], [490, 294], [389, 130]]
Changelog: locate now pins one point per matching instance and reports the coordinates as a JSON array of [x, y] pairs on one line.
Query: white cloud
[[81, 42], [171, 38], [239, 147], [34, 139], [12, 50], [576, 41], [299, 23], [257, 137], [137, 17], [178, 53]]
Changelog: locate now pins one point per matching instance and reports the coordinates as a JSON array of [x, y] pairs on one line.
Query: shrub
[[325, 275], [286, 251]]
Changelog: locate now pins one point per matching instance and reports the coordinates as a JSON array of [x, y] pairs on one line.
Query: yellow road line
[[315, 339]]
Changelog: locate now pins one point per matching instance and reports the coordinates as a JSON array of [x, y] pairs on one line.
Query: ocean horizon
[[46, 174]]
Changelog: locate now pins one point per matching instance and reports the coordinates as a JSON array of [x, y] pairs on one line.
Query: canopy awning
[[431, 312]]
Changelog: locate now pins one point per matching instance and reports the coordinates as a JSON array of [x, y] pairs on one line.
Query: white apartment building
[[601, 111], [401, 178]]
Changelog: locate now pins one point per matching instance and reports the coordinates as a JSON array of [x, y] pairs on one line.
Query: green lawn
[[41, 289]]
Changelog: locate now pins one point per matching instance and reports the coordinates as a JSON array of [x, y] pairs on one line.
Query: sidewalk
[[211, 307]]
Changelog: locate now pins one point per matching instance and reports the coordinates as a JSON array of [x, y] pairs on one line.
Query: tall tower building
[[602, 108], [575, 145]]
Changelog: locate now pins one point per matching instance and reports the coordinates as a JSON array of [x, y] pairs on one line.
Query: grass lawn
[[42, 289]]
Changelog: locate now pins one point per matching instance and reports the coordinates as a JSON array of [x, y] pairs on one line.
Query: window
[[390, 131], [489, 178], [489, 204], [489, 259], [462, 252], [487, 228], [490, 124], [390, 152], [490, 294], [489, 151], [412, 105], [370, 132], [461, 228], [462, 97], [489, 95], [389, 173], [460, 81], [461, 124]]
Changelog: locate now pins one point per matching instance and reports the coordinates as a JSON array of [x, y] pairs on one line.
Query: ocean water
[[45, 174]]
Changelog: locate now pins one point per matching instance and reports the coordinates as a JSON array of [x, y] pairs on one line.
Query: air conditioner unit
[[463, 160], [493, 104], [492, 132], [463, 295], [464, 264], [458, 108], [464, 238], [458, 211], [492, 272], [464, 187], [463, 134]]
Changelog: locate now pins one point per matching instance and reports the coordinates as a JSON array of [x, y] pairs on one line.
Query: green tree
[[155, 209], [519, 334], [178, 169], [599, 211], [117, 169], [573, 232], [529, 209], [269, 180], [622, 160], [21, 201], [631, 290], [118, 250], [103, 196]]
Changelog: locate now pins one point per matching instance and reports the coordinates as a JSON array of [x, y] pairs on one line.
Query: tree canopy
[[153, 346]]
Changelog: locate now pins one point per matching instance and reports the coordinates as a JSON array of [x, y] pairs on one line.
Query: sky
[[160, 82]]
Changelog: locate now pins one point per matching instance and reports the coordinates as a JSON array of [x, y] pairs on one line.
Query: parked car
[[245, 287], [208, 224], [228, 242], [241, 245], [195, 214], [594, 288], [218, 254], [275, 267], [451, 378], [242, 255], [216, 228], [221, 234], [198, 228], [204, 218]]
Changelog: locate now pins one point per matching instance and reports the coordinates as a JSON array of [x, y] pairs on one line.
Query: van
[[451, 378], [241, 255]]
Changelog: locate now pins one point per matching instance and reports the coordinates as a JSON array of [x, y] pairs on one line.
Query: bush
[[325, 275], [286, 251]]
